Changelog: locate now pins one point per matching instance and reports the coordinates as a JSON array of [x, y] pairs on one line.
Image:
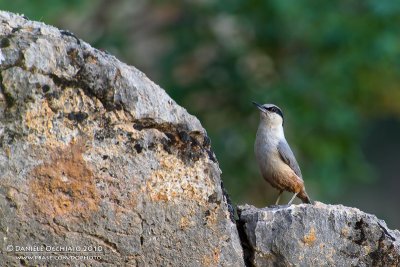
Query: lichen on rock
[[93, 153], [317, 235]]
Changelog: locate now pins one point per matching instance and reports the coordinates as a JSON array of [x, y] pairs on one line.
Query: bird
[[276, 161]]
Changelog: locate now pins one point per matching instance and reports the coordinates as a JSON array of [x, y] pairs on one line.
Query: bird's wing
[[288, 157]]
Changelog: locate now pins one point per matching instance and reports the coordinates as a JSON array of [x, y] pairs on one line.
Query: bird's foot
[[294, 196]]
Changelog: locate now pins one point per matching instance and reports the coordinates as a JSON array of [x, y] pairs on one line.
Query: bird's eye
[[273, 109]]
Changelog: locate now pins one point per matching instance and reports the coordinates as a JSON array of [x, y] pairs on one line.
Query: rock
[[317, 235], [95, 156]]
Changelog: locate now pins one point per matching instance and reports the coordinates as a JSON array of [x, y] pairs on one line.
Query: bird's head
[[271, 114]]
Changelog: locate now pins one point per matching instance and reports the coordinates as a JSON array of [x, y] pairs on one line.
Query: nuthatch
[[275, 159]]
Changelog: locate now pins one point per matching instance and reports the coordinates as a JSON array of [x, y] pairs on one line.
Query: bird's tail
[[304, 197]]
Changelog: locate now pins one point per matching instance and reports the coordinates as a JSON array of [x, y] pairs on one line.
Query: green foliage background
[[332, 66]]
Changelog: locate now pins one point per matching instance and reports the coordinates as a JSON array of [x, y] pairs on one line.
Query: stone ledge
[[317, 235]]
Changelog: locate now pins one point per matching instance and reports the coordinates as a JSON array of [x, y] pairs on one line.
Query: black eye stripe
[[275, 110]]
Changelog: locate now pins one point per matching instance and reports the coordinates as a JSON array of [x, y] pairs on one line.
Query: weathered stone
[[317, 235], [92, 153]]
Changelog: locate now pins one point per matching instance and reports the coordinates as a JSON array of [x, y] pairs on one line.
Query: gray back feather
[[288, 157]]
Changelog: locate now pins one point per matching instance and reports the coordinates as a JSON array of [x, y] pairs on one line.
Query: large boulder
[[95, 156], [317, 235]]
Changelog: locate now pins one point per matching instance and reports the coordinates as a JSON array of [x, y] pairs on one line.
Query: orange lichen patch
[[39, 119], [173, 179], [310, 238], [184, 223], [65, 185], [7, 152], [91, 59], [345, 231], [211, 218], [160, 197], [213, 259]]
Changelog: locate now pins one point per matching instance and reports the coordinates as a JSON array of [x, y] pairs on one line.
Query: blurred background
[[332, 66]]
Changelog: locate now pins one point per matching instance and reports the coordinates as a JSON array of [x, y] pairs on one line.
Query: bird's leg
[[279, 197], [294, 196]]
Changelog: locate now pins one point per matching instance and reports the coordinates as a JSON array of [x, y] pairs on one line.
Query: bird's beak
[[261, 108]]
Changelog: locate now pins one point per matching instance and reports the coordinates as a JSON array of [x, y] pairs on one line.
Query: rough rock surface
[[317, 235], [93, 154]]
